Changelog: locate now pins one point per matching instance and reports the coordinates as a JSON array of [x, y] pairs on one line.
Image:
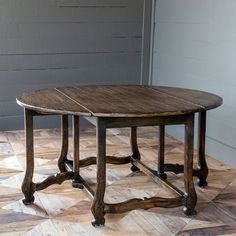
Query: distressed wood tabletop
[[119, 101]]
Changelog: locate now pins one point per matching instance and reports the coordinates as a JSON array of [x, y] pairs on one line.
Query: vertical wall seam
[[150, 80]]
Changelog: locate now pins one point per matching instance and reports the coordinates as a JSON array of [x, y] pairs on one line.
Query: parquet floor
[[63, 210]]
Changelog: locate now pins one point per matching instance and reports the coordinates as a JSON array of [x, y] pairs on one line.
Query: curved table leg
[[191, 196], [161, 153], [202, 170], [134, 148], [98, 202], [64, 147], [28, 187]]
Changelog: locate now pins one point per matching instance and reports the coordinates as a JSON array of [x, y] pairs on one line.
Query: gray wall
[[48, 43], [195, 45]]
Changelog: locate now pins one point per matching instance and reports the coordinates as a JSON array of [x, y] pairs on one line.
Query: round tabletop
[[119, 101]]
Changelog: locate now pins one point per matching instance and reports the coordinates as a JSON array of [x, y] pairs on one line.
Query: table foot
[[189, 212], [133, 168], [202, 176], [28, 189], [28, 200], [202, 183], [162, 175], [77, 184], [98, 211], [97, 223]]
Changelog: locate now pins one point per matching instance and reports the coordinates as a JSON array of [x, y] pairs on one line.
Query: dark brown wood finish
[[109, 159], [50, 101], [64, 139], [87, 188], [202, 99], [145, 204], [111, 101], [191, 196], [116, 107], [54, 179], [202, 170], [119, 122], [136, 203], [134, 147], [76, 181], [98, 206], [161, 153], [27, 185]]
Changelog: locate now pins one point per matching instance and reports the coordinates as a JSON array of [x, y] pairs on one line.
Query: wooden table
[[116, 107]]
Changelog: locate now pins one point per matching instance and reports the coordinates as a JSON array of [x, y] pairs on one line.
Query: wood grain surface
[[50, 101], [119, 101]]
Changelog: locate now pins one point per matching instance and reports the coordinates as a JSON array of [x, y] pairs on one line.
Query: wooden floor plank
[[63, 210]]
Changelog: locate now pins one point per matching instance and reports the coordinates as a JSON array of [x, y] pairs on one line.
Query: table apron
[[121, 122]]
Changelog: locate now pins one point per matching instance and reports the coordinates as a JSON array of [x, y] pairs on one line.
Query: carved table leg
[[28, 187], [161, 156], [134, 147], [98, 202], [76, 182], [64, 147], [191, 197], [202, 170]]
